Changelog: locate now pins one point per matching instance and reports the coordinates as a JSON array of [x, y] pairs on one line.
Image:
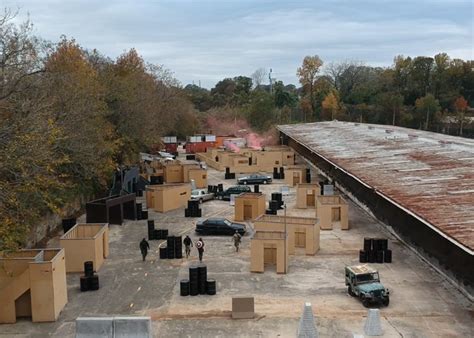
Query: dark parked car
[[234, 190], [255, 179], [219, 226]]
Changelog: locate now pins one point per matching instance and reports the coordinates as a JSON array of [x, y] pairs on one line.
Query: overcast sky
[[211, 40]]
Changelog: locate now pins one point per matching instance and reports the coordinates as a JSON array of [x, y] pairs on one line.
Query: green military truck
[[363, 282]]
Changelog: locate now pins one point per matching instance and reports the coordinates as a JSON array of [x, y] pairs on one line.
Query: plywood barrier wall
[[199, 176], [269, 248], [302, 231], [306, 195], [166, 197], [249, 206], [85, 242], [295, 175], [332, 211], [173, 173], [40, 288]]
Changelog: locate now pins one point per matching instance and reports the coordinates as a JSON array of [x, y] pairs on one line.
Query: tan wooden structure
[[32, 284], [303, 232], [306, 194], [249, 206], [295, 175], [269, 248], [332, 210], [248, 160], [85, 242], [166, 197]]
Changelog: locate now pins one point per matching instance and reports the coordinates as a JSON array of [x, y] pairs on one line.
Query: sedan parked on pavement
[[201, 195], [255, 179], [219, 226]]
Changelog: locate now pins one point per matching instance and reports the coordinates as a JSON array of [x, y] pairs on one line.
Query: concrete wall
[[255, 202], [324, 212], [166, 197], [85, 242], [302, 192]]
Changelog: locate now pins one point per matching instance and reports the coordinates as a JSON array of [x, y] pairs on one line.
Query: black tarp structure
[[441, 252], [112, 209]]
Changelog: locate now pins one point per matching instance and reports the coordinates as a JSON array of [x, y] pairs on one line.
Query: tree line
[[420, 92], [69, 116]]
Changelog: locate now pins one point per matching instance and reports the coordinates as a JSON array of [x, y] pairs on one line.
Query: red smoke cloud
[[240, 128]]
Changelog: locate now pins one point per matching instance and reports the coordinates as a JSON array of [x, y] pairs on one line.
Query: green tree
[[307, 75], [427, 106], [261, 111]]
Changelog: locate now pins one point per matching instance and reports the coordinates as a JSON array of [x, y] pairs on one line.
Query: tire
[[265, 182], [365, 302], [244, 182], [200, 201], [350, 292], [386, 301]]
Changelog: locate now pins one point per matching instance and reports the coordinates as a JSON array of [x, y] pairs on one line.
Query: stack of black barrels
[[68, 223], [193, 209], [90, 281], [215, 188], [173, 249], [139, 209], [191, 157], [272, 208], [156, 234], [197, 284], [277, 196], [375, 251], [279, 175], [228, 175]]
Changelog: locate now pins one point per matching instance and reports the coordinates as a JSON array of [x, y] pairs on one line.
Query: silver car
[[201, 195]]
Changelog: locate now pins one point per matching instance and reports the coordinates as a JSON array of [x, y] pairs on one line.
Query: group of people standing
[[188, 244]]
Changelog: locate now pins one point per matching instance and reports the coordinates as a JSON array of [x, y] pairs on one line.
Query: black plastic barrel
[[379, 256], [202, 278], [144, 214], [193, 280], [84, 284], [184, 287], [367, 244], [387, 256], [371, 256], [282, 171], [170, 253], [163, 253], [273, 205], [256, 188], [220, 187], [93, 282], [164, 233], [211, 287], [178, 247], [362, 256], [139, 211], [151, 224], [170, 241], [88, 268], [227, 170]]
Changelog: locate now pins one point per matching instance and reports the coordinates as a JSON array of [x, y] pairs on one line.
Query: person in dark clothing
[[237, 239], [144, 246], [188, 243], [200, 247]]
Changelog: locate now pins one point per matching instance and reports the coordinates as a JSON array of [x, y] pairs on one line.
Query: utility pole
[[270, 78]]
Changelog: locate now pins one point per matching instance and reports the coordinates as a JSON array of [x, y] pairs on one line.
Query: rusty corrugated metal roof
[[429, 174]]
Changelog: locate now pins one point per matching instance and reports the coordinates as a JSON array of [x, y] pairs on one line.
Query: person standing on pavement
[[200, 247], [144, 246], [188, 243], [237, 239]]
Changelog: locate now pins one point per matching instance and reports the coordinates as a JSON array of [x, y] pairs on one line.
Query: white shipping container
[[194, 139], [210, 138], [169, 139]]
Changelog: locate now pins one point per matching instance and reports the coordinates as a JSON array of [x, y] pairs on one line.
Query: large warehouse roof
[[429, 174]]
